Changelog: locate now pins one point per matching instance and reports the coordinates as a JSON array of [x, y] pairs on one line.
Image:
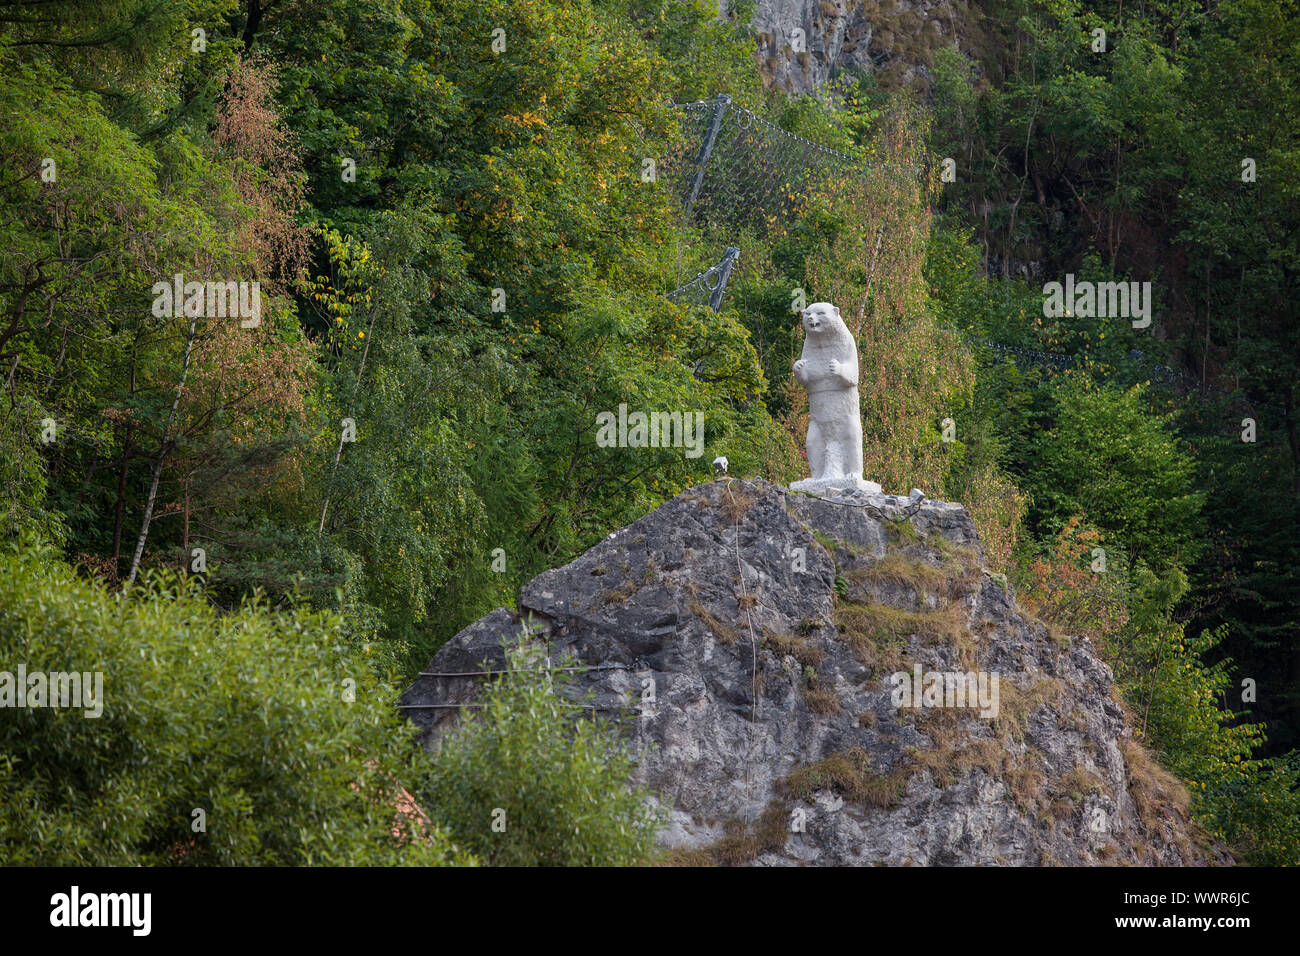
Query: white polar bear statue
[[828, 368]]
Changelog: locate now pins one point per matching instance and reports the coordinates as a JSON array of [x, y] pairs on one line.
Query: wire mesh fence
[[709, 286], [736, 170], [742, 170]]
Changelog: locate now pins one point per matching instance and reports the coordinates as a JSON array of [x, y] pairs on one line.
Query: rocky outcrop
[[895, 38], [751, 637]]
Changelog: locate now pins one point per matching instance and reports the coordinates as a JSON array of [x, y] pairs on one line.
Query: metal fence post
[[719, 110], [724, 273]]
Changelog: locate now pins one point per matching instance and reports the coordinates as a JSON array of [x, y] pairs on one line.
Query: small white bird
[[720, 465]]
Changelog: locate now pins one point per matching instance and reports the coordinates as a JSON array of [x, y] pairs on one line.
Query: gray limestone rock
[[771, 624], [802, 44]]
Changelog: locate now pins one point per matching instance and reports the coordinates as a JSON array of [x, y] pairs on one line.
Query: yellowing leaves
[[526, 120]]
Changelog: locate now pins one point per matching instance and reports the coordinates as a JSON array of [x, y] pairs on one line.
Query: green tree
[[1110, 457], [272, 725]]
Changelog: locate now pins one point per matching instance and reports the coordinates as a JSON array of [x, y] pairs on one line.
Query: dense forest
[[442, 234]]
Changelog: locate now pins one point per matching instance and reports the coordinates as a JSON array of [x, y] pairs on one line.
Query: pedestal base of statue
[[822, 485]]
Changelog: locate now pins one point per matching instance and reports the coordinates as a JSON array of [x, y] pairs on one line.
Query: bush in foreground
[[529, 780], [253, 738]]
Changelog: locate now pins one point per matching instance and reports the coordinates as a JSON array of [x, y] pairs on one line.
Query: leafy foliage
[[247, 717], [528, 780], [1109, 456]]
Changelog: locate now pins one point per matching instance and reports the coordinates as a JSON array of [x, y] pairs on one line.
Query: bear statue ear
[[836, 308]]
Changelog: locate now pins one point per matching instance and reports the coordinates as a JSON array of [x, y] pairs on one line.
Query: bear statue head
[[821, 317]]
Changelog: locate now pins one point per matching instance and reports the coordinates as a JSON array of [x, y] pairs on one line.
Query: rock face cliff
[[892, 38], [770, 626]]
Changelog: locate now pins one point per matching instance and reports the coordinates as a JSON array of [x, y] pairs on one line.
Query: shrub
[[554, 783], [242, 716]]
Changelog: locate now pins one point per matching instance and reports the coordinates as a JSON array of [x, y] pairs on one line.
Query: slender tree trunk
[[338, 454], [871, 273], [325, 506], [162, 457]]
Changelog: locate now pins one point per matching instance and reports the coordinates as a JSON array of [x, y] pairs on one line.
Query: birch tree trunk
[[162, 456]]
